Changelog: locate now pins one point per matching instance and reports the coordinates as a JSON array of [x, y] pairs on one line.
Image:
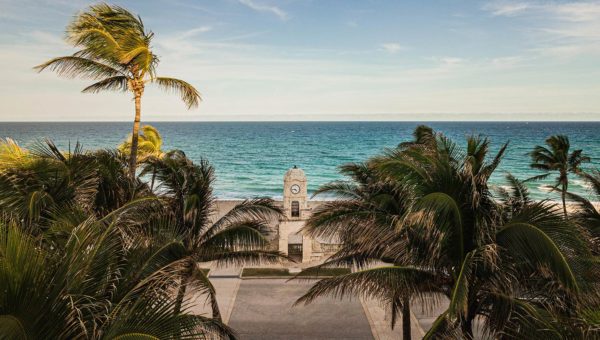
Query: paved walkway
[[381, 324], [263, 310], [226, 282]]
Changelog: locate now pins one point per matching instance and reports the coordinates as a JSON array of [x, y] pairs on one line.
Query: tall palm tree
[[558, 158], [116, 52], [235, 238], [150, 144], [373, 209], [460, 245]]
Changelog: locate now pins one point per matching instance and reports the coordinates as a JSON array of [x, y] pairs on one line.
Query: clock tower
[[295, 196], [295, 208]]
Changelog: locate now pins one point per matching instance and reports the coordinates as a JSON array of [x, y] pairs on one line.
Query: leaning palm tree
[[115, 51], [236, 238], [558, 158]]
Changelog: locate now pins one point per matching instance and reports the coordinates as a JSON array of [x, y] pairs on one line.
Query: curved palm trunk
[[406, 334], [153, 177], [216, 313], [563, 196], [185, 278], [564, 202], [134, 135]]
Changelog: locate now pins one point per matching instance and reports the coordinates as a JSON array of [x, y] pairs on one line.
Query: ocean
[[251, 157]]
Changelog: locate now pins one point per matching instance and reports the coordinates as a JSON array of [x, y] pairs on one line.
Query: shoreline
[[226, 204]]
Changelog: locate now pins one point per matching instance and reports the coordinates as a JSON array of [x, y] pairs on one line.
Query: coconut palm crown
[[149, 143], [115, 51], [558, 158]]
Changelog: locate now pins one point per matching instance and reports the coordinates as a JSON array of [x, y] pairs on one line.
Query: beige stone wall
[[310, 248]]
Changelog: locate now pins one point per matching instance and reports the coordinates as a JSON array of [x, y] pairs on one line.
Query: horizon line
[[303, 121]]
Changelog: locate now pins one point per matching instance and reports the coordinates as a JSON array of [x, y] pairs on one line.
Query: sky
[[324, 60]]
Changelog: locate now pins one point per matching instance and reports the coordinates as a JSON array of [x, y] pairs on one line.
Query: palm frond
[[379, 283], [73, 66], [530, 244], [118, 83], [189, 95]]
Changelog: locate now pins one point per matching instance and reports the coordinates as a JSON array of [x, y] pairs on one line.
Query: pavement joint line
[[415, 322], [369, 319], [232, 301]]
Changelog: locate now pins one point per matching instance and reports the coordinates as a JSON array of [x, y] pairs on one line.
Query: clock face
[[295, 189]]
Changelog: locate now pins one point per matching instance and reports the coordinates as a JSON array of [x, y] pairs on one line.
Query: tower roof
[[295, 173]]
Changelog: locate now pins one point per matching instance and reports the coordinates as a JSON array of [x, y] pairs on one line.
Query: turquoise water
[[251, 157]]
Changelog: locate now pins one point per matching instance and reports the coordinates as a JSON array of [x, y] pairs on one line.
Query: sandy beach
[[224, 205]]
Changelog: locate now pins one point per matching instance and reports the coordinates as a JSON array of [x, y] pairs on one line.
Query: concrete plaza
[[264, 309]]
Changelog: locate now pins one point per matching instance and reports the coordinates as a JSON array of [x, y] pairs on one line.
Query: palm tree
[[374, 209], [116, 52], [459, 244], [11, 153], [588, 213], [235, 238], [49, 182], [100, 282], [115, 187], [149, 145], [557, 157], [423, 135]]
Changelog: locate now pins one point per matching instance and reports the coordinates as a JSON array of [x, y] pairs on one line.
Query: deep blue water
[[251, 157]]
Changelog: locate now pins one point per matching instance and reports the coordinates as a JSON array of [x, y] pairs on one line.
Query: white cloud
[[507, 8], [392, 47], [507, 62], [565, 11], [281, 14], [451, 61], [561, 29], [580, 11], [195, 31]]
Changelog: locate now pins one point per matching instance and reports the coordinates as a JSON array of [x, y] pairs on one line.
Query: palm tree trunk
[[563, 194], [216, 313], [153, 176], [185, 277], [134, 135], [564, 202], [406, 335]]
